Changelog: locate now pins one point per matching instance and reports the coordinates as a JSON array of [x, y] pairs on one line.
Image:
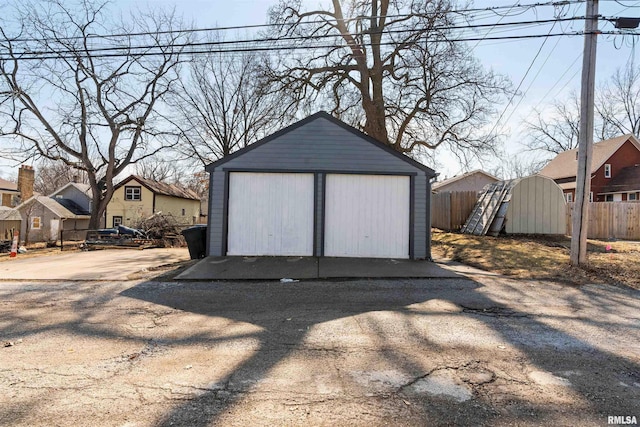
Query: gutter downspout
[[429, 182]]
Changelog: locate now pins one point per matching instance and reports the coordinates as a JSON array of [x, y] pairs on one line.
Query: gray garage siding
[[320, 145]]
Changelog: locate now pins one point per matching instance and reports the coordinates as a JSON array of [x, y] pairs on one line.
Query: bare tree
[[70, 95], [219, 106], [618, 102], [390, 67], [51, 176], [555, 131], [617, 107], [517, 166], [158, 168], [198, 182]]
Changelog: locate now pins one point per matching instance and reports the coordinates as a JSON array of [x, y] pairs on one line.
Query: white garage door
[[270, 214], [367, 216]]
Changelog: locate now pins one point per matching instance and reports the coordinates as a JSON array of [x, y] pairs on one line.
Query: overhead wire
[[526, 91], [513, 95], [252, 44], [322, 21], [74, 54]]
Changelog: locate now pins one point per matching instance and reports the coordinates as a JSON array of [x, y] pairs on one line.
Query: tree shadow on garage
[[286, 311]]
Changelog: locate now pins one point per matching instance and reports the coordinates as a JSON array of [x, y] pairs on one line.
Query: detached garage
[[319, 188]]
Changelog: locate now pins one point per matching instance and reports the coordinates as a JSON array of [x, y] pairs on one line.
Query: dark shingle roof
[[161, 188], [72, 206]]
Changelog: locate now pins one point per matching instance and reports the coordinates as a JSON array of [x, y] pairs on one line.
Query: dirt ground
[[481, 349], [543, 257]]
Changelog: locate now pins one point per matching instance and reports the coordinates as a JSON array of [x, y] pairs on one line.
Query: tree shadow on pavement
[[286, 312]]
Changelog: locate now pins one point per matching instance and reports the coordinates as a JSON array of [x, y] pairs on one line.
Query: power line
[[559, 79], [29, 52], [256, 26], [520, 85], [73, 55], [534, 77]]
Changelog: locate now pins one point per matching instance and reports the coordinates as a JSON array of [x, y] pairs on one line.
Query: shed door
[[367, 216], [270, 214], [54, 227]]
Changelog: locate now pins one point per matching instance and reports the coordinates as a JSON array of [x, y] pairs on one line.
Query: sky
[[544, 69]]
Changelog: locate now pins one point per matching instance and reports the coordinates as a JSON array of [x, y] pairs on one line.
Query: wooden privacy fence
[[611, 220], [450, 210]]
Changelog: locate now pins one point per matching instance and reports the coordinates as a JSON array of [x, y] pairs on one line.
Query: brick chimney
[[26, 178]]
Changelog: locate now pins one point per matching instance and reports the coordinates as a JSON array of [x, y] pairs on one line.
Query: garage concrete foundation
[[273, 268]]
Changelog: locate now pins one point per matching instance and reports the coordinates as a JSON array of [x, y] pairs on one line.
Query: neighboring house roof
[[568, 185], [8, 186], [9, 214], [72, 206], [161, 188], [448, 181], [565, 164], [321, 114], [83, 188], [625, 181], [54, 206]]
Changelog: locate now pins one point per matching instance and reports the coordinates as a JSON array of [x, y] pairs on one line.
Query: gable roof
[[565, 164], [161, 188], [324, 115], [54, 206], [8, 185], [627, 180], [9, 214], [439, 184], [83, 188]]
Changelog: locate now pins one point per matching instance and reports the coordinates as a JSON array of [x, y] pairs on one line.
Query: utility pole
[[580, 216]]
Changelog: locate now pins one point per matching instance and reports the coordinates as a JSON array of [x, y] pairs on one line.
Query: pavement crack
[[496, 311], [430, 372]]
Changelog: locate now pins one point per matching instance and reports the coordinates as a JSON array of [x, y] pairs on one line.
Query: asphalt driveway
[[478, 349]]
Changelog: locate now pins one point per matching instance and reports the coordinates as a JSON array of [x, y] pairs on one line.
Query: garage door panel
[[270, 214], [367, 216]]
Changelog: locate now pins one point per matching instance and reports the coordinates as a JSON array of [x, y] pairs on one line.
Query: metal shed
[[319, 188], [531, 205]]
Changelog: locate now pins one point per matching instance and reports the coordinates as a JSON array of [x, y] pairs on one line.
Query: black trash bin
[[196, 238]]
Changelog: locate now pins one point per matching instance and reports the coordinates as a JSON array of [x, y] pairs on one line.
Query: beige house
[[8, 193], [137, 198]]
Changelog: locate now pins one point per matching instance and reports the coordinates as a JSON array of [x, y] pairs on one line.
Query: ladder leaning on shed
[[488, 214]]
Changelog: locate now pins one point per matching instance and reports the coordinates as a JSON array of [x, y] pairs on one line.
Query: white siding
[[270, 214], [367, 216]]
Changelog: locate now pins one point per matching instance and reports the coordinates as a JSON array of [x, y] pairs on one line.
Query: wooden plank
[[450, 210], [611, 220]]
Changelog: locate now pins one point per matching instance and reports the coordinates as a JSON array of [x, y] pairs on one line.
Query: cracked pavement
[[477, 350]]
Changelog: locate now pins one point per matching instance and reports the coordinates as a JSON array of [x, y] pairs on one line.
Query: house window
[[35, 223], [608, 198], [117, 220], [632, 196], [132, 193], [183, 211], [607, 170], [569, 197]]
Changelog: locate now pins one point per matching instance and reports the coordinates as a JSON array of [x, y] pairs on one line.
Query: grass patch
[[542, 257]]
